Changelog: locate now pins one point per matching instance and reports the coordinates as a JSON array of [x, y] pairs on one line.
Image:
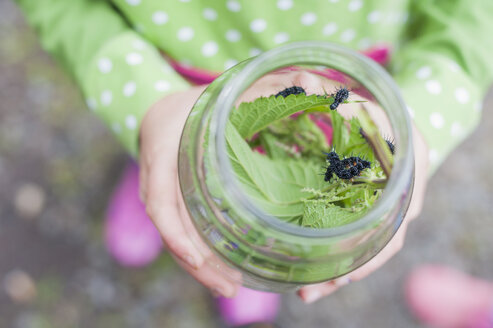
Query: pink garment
[[199, 76], [249, 306], [130, 236]]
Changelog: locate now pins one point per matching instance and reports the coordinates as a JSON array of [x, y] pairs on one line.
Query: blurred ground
[[58, 166]]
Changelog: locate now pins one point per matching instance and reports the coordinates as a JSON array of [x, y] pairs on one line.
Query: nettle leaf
[[318, 214], [276, 185], [249, 118]]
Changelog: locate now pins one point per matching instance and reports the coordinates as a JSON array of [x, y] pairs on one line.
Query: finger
[[394, 246], [162, 207], [210, 259], [209, 277], [143, 169], [420, 174], [312, 293]]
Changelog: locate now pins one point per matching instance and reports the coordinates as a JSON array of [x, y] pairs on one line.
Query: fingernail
[[311, 296], [191, 261]]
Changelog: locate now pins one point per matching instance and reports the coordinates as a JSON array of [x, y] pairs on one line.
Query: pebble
[[19, 286], [29, 200]]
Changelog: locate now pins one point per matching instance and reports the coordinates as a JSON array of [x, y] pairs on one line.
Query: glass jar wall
[[250, 246]]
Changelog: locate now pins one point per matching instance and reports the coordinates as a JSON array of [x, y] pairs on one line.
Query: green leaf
[[275, 185], [318, 214], [249, 118]]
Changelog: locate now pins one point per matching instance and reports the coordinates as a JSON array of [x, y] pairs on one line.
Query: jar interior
[[281, 132]]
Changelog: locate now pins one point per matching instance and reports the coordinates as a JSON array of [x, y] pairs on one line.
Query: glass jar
[[258, 250]]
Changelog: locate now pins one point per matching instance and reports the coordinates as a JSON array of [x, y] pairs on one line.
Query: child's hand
[[314, 292], [160, 138]]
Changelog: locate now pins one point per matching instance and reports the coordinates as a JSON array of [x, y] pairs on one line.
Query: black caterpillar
[[346, 168], [391, 145], [341, 95], [387, 140], [294, 90]]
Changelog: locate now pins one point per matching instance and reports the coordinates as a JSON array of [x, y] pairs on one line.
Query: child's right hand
[[160, 191]]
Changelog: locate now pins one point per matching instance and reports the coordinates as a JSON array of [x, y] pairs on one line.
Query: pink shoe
[[130, 235], [249, 306], [446, 298]]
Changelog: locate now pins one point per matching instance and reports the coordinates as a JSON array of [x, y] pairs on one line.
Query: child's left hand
[[313, 293]]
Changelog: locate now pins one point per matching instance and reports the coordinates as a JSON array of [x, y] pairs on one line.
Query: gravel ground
[[58, 165]]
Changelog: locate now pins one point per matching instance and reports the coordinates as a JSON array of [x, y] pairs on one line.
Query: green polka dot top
[[119, 51]]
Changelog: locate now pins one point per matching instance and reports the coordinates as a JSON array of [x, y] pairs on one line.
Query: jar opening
[[355, 67]]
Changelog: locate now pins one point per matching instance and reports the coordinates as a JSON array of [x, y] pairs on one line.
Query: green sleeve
[[444, 70], [119, 72]]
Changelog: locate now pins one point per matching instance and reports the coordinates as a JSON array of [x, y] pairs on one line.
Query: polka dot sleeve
[[124, 79], [443, 101], [442, 72]]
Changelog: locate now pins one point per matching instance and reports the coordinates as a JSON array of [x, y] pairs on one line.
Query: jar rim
[[399, 117]]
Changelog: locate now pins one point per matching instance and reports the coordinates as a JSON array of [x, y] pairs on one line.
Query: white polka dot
[[160, 18], [134, 58], [281, 37], [131, 122], [106, 97], [423, 73], [462, 95], [233, 6], [230, 63], [433, 87], [258, 25], [116, 127], [364, 44], [454, 67], [456, 129], [162, 86], [355, 5], [209, 14], [138, 44], [284, 4], [308, 19], [410, 111], [185, 34], [105, 65], [91, 103], [478, 107], [209, 49], [233, 35], [374, 17], [436, 120], [129, 88], [254, 52], [348, 35], [330, 29], [433, 155], [133, 2]]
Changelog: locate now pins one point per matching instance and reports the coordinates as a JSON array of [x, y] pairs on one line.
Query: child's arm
[[445, 69], [119, 72]]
